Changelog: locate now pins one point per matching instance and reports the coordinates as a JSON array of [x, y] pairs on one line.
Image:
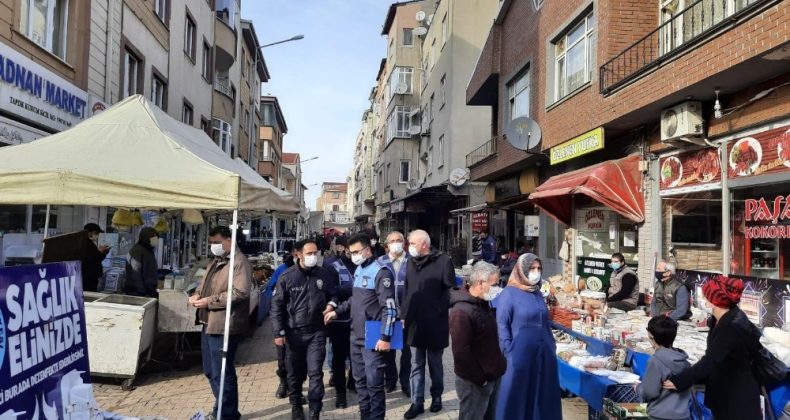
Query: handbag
[[767, 368]]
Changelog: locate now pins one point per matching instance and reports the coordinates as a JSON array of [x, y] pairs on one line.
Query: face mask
[[373, 242], [413, 252], [504, 257], [615, 266], [357, 259], [492, 293], [310, 261], [533, 277], [217, 250], [659, 275], [396, 248], [154, 242], [707, 307]]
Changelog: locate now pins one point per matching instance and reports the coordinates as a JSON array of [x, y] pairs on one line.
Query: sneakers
[[340, 401], [297, 412], [436, 405], [414, 411], [282, 390]]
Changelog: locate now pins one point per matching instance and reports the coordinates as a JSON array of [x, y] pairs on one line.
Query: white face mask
[[707, 307], [357, 259], [217, 250], [396, 248], [414, 252], [492, 293], [154, 242], [373, 242], [533, 277], [310, 261]]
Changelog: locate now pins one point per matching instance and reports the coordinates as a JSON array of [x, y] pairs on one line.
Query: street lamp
[[293, 38], [308, 160]]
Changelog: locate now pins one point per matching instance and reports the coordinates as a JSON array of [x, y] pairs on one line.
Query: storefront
[[727, 210]]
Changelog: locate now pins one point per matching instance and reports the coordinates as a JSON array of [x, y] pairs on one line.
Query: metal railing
[[681, 31], [485, 151], [223, 87]]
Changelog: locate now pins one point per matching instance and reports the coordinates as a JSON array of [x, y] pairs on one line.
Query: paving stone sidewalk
[[177, 395]]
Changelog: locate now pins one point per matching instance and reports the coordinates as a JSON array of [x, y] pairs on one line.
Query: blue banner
[[43, 342]]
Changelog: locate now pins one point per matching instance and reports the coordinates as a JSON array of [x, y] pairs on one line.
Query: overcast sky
[[322, 81]]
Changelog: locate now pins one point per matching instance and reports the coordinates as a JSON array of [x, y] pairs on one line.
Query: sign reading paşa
[[578, 146]]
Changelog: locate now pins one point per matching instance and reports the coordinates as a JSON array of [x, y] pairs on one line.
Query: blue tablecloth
[[591, 388]]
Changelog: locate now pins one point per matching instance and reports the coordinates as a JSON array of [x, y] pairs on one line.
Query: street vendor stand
[[176, 167]]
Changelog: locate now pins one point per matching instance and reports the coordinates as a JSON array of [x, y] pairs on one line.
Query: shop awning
[[615, 184]]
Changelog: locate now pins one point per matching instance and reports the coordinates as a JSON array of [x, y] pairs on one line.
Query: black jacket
[[300, 298], [142, 268], [731, 390], [92, 269], [473, 326], [427, 300]]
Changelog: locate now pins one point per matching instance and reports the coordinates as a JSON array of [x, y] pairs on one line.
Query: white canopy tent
[[135, 155]]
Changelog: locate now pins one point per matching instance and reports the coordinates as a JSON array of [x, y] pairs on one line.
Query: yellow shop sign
[[581, 145]]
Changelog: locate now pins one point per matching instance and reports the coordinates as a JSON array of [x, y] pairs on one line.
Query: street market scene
[[379, 209]]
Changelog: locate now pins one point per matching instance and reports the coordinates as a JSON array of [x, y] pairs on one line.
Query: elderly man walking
[[479, 364], [396, 260], [426, 303]]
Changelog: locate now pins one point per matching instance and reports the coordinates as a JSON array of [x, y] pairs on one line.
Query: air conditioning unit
[[682, 123], [415, 129]]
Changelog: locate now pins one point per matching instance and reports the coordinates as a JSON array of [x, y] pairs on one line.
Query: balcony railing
[[223, 87], [676, 35], [485, 151]]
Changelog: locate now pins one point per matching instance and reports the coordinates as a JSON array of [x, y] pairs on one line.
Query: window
[[160, 8], [445, 29], [430, 108], [205, 125], [268, 115], [45, 22], [425, 62], [440, 151], [401, 76], [387, 175], [158, 91], [518, 95], [131, 74], [335, 207], [221, 134], [233, 96], [405, 172], [190, 34], [408, 37], [434, 54], [444, 89], [187, 114], [573, 58], [399, 123], [206, 62], [336, 196], [243, 62], [246, 120]]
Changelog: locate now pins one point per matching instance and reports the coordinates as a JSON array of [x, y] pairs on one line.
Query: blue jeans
[[211, 347], [417, 379]]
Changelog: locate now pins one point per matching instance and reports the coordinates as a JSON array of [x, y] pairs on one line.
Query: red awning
[[615, 184]]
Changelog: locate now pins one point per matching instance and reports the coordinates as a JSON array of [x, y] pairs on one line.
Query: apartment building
[[225, 107], [253, 73], [270, 141], [627, 95], [333, 203], [365, 154]]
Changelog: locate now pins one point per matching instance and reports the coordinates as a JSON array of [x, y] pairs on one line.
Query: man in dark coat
[[92, 269], [426, 303], [488, 248], [142, 268]]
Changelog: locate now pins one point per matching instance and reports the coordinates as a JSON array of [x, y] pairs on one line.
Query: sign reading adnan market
[[31, 91], [573, 148], [775, 213]]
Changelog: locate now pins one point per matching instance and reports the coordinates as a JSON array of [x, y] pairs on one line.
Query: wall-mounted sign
[[396, 206], [532, 226], [12, 132], [768, 219], [96, 105], [480, 221], [31, 91], [593, 219], [573, 148], [689, 171], [762, 153]]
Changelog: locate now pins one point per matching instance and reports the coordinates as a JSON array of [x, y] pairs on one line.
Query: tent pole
[[46, 223], [228, 307], [274, 236]]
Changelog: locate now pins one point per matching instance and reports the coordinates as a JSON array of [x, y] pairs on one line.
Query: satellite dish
[[420, 31], [459, 176], [401, 88], [523, 133], [414, 130], [430, 19], [420, 16]]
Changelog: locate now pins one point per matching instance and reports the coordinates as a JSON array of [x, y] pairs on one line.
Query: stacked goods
[[562, 316]]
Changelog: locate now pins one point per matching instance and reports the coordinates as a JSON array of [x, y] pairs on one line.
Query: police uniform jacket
[[299, 300]]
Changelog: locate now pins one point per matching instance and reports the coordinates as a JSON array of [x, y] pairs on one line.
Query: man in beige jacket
[[211, 300]]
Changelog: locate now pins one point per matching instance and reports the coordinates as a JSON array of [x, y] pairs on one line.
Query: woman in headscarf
[[731, 390], [530, 388]]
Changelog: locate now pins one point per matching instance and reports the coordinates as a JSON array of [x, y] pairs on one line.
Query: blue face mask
[[615, 266]]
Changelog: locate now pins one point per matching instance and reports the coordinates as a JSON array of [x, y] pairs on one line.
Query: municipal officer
[[395, 259], [301, 297], [373, 298], [342, 268]]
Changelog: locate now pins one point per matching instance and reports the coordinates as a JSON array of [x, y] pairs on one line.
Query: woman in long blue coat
[[530, 388]]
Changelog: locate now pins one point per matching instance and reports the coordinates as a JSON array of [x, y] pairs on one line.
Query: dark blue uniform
[[340, 329], [391, 374], [373, 298], [300, 297]]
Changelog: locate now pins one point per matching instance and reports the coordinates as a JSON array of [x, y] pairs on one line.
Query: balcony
[[680, 32], [485, 151], [224, 39]]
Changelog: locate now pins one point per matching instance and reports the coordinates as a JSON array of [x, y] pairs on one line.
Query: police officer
[[301, 297], [373, 298], [341, 267], [395, 259]]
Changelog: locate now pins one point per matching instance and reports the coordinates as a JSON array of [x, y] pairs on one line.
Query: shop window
[[760, 227], [45, 22], [696, 219]]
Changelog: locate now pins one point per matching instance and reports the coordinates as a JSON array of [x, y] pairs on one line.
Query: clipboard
[[373, 334]]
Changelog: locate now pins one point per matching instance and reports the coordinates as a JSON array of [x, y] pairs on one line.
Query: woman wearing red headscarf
[[731, 390]]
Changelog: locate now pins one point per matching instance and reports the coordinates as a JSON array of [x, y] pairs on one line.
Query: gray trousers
[[476, 402]]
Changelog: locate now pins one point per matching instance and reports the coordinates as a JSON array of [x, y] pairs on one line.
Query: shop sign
[[12, 132], [506, 188], [596, 267], [763, 153], [775, 213], [689, 171], [592, 220], [415, 207], [44, 356], [573, 148], [480, 221], [31, 91], [396, 206], [96, 105], [532, 226]]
